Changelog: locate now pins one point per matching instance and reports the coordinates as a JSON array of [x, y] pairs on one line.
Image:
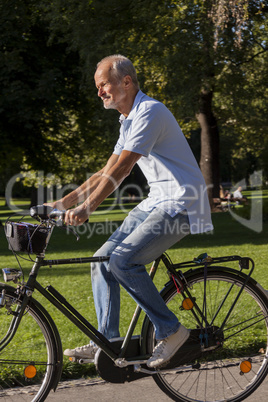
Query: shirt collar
[[136, 102]]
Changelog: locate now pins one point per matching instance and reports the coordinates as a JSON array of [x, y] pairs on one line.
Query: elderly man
[[177, 205]]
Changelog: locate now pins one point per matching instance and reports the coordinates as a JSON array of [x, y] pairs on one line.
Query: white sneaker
[[82, 352], [166, 348]]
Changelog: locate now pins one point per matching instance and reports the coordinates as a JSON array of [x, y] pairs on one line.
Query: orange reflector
[[187, 304], [245, 366], [30, 371]]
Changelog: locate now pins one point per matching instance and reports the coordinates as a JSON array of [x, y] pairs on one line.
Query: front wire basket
[[26, 237]]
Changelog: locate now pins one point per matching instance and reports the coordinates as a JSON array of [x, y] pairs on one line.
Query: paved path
[[138, 391]]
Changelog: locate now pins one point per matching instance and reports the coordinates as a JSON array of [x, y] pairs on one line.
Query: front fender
[[57, 339]]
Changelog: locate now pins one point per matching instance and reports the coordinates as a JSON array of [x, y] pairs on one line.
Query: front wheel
[[28, 363], [227, 353]]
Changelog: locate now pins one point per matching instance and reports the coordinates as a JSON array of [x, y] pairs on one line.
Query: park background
[[206, 60]]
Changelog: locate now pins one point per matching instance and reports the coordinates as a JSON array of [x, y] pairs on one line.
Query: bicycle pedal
[[85, 361], [80, 361]]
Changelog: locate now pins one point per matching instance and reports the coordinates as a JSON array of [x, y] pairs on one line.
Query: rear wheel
[[232, 362], [28, 362]]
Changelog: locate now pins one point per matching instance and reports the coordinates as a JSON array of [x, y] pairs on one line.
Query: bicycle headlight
[[11, 274]]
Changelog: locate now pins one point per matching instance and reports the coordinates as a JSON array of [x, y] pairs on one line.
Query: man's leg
[[141, 238], [105, 287], [148, 241]]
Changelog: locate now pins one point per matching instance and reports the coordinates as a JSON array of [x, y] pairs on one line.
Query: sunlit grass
[[73, 281]]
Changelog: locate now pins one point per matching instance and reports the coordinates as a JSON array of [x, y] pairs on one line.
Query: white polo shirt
[[174, 178]]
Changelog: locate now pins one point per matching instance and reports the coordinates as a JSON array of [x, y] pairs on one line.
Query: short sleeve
[[141, 130], [118, 148]]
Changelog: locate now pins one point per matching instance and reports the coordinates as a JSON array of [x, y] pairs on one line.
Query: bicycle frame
[[58, 300], [61, 304]]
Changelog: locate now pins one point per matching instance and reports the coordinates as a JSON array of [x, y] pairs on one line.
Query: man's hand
[[55, 205], [77, 216]]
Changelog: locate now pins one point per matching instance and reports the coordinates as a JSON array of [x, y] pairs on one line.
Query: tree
[[200, 61], [191, 55], [31, 75], [244, 122], [47, 120]]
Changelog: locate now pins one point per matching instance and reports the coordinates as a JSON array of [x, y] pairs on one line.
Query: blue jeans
[[142, 237]]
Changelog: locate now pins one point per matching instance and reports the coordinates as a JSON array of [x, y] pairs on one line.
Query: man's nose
[[100, 92]]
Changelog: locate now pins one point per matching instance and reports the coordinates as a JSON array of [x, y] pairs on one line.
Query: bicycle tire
[[218, 375], [19, 352]]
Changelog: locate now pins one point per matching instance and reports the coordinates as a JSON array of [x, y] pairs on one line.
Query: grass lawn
[[73, 281]]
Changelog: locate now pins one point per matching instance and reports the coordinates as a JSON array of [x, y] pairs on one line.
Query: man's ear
[[127, 81]]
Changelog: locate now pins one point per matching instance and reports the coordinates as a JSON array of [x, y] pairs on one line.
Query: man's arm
[[98, 189], [81, 193]]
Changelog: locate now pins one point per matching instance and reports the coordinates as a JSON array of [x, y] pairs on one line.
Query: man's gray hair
[[120, 67]]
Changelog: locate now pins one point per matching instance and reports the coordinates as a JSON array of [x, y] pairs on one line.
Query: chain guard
[[114, 374]]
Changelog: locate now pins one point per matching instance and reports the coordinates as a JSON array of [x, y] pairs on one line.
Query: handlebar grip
[[56, 213]]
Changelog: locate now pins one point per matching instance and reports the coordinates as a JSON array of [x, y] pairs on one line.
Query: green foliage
[[36, 83], [50, 117], [176, 43], [76, 371], [47, 119]]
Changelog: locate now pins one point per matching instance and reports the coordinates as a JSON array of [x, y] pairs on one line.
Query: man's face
[[110, 91]]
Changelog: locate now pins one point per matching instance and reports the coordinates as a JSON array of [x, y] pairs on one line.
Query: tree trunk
[[209, 159]]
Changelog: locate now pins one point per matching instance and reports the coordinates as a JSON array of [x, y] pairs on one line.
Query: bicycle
[[221, 305]]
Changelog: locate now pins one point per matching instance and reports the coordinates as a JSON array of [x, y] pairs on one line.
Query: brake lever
[[70, 229], [59, 222]]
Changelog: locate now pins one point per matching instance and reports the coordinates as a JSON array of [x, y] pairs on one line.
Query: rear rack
[[244, 262]]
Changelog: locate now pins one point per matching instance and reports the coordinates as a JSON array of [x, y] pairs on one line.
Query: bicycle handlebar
[[56, 213], [45, 212]]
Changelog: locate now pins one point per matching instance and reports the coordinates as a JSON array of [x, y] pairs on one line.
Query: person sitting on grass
[[239, 198]]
